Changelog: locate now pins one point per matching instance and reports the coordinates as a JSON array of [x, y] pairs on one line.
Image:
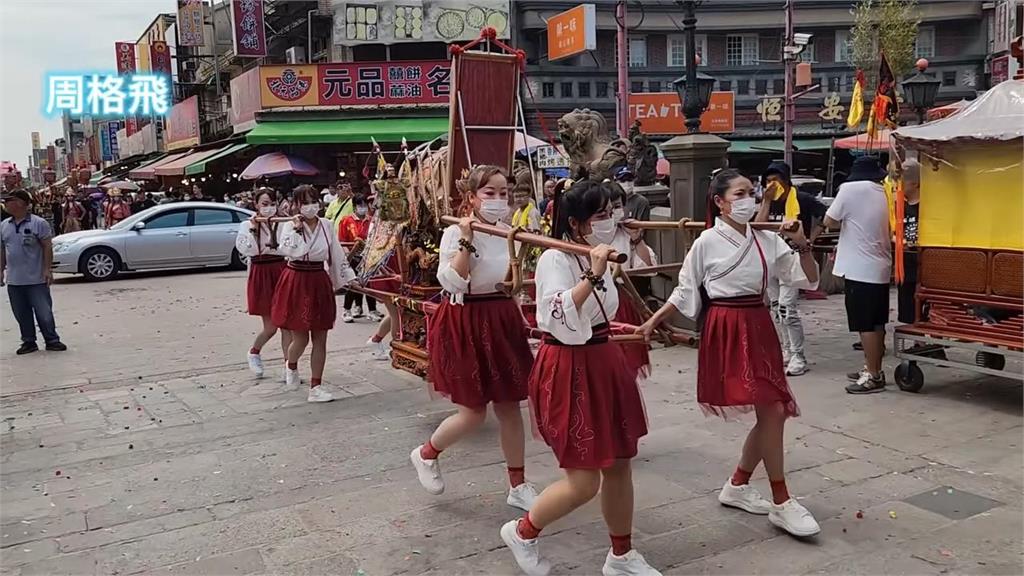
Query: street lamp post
[[694, 88], [921, 90]]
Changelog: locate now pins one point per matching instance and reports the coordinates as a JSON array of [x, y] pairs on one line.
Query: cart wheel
[[909, 377], [990, 360]]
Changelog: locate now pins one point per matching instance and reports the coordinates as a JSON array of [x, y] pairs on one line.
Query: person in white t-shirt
[[864, 261]]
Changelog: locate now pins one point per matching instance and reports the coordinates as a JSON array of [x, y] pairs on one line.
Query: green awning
[[348, 131], [200, 166], [772, 146]]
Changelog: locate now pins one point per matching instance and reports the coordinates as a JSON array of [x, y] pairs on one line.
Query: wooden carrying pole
[[536, 239], [686, 224]]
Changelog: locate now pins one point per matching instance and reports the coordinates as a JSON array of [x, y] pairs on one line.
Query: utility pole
[[789, 62], [622, 109]]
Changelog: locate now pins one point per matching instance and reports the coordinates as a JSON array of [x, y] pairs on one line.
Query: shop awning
[[147, 171], [124, 166], [200, 166], [177, 167], [772, 146], [348, 131]]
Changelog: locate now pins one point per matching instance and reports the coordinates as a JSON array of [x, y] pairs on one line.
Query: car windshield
[[137, 217]]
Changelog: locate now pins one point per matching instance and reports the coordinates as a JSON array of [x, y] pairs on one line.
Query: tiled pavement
[[206, 471]]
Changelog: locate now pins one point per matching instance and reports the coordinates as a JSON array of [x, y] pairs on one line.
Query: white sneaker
[[797, 366], [428, 471], [318, 394], [792, 517], [522, 496], [379, 350], [631, 563], [526, 552], [346, 317], [744, 497], [357, 311], [255, 364], [374, 316], [291, 379]]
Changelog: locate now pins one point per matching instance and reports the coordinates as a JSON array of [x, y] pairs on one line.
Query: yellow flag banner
[[856, 102]]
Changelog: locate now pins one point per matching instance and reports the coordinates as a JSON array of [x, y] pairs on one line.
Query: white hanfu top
[[317, 245], [247, 244], [557, 274], [487, 268], [623, 245], [728, 265]]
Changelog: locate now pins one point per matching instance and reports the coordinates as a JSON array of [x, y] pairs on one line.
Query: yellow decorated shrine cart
[[970, 291]]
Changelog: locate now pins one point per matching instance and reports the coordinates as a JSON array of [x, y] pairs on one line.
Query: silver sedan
[[177, 235]]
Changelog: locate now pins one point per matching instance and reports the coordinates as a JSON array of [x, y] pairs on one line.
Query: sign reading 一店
[[355, 83], [572, 32]]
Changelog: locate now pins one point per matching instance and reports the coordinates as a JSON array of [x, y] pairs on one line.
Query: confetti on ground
[[892, 514], [860, 515]]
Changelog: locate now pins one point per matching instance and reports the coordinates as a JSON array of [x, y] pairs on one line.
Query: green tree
[[888, 26]]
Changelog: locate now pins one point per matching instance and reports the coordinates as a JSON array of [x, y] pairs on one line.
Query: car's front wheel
[[99, 264], [238, 262]]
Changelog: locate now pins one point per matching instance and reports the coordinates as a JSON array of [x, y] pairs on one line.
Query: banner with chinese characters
[[105, 152], [355, 83], [183, 125], [572, 32], [395, 21], [190, 23], [661, 113], [248, 29], [160, 58], [113, 128], [125, 52], [245, 100]]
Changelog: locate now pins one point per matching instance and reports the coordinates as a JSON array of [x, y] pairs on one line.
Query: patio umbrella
[[277, 164], [880, 143], [122, 185], [525, 141]]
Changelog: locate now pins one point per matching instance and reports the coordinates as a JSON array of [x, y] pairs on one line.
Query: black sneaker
[[27, 348], [867, 384], [854, 376], [57, 346]]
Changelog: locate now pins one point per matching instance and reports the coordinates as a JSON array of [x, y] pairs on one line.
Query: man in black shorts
[[864, 260]]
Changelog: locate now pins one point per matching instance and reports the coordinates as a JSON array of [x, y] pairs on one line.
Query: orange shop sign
[[572, 32], [661, 113]]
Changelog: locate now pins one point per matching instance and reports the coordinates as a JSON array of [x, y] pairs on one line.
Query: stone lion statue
[[584, 134]]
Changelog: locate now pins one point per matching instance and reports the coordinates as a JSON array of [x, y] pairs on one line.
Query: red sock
[[621, 545], [428, 452], [293, 365], [779, 492], [741, 477], [526, 529], [516, 476], [314, 382], [375, 339], [254, 350]]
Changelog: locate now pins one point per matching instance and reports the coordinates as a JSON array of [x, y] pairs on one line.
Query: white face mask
[[268, 211], [742, 210], [309, 210], [361, 211], [601, 232], [493, 210], [618, 215]]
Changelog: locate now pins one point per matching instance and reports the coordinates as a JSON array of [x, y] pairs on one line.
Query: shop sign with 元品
[[355, 84]]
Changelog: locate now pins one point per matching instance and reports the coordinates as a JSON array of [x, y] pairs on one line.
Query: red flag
[[886, 107]]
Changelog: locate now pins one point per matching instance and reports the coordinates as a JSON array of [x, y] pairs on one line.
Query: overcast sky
[[37, 36]]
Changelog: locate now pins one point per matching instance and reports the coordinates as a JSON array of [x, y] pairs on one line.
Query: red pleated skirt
[[264, 272], [304, 298], [586, 403], [479, 351], [637, 355], [739, 362]]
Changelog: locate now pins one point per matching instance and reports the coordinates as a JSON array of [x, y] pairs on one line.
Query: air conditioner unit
[[295, 55]]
